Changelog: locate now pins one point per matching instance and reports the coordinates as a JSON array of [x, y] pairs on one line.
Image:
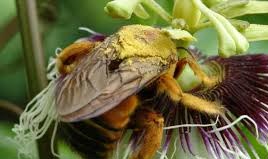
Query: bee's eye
[[114, 64]]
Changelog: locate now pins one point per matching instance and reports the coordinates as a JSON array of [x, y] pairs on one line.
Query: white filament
[[88, 30], [238, 152], [58, 50], [52, 72], [163, 156], [117, 150], [128, 150], [35, 120], [53, 139], [235, 122], [175, 147], [191, 125]]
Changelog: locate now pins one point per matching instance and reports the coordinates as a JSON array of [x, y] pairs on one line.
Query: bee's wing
[[93, 88]]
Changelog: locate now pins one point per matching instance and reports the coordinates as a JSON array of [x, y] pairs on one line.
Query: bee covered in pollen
[[104, 88], [129, 82]]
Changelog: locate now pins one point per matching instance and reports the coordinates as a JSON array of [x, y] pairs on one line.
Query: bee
[[104, 88]]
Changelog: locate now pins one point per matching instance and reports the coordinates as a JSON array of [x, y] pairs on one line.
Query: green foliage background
[[59, 27]]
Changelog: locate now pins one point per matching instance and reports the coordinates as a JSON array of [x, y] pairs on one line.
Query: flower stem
[[9, 30], [10, 107], [34, 60], [158, 9]]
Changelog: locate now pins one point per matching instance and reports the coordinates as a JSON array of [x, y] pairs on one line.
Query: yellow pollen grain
[[143, 41]]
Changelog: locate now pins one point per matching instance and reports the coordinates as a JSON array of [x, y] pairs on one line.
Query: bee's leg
[[118, 117], [168, 85], [207, 81], [66, 60], [148, 126]]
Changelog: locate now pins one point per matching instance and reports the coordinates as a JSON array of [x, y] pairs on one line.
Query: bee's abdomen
[[91, 140], [96, 138]]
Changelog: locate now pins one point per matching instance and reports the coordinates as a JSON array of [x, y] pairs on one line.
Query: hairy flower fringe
[[243, 90], [38, 115], [35, 120]]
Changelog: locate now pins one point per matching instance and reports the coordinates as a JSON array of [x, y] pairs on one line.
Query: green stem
[[10, 107], [34, 60], [158, 9], [8, 32]]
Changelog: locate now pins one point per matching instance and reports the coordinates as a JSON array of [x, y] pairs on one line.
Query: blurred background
[[58, 23]]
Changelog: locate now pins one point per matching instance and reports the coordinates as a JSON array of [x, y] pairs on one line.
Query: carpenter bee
[[106, 87]]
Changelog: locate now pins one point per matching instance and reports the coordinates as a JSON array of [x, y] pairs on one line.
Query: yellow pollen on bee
[[143, 41]]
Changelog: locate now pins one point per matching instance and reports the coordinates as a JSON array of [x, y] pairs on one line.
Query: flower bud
[[121, 8], [186, 10]]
